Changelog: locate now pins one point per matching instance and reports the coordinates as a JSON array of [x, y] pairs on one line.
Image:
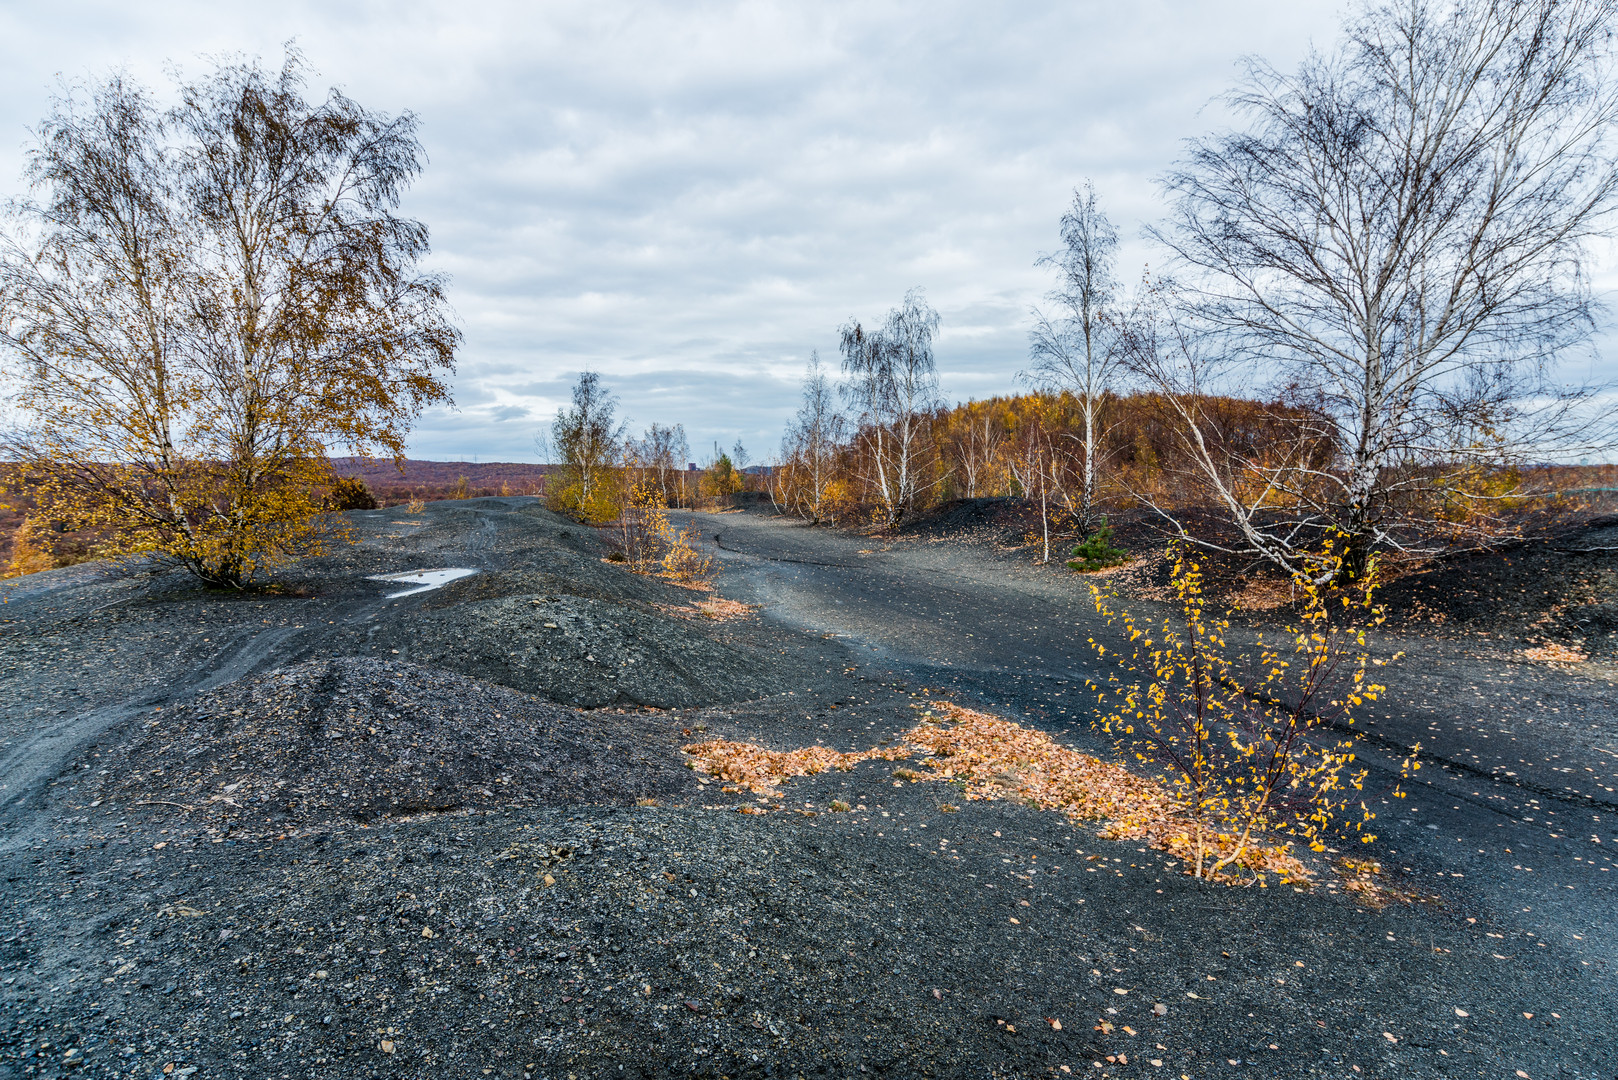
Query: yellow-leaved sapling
[[1256, 747]]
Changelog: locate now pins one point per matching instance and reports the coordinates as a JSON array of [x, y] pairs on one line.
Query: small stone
[[386, 1046], [427, 931], [1160, 1009]]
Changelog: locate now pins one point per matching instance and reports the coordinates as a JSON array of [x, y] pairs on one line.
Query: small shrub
[[598, 508], [350, 493], [838, 806], [1247, 743], [685, 562], [642, 533], [1097, 552], [415, 506], [30, 549]]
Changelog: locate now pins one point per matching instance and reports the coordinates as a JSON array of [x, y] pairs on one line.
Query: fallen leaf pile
[[762, 771], [990, 758], [1362, 877], [997, 759], [993, 758], [1555, 653]]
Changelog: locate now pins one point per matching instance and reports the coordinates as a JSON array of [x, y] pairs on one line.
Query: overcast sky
[[690, 198]]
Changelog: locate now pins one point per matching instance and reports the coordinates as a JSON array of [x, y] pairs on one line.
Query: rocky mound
[[574, 649], [1562, 588], [360, 739]]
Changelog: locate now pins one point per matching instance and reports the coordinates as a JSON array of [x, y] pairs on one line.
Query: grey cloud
[[691, 197]]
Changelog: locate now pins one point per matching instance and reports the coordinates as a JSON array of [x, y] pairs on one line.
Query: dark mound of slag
[[358, 740]]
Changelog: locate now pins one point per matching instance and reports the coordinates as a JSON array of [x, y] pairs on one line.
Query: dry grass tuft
[[716, 608], [722, 609]]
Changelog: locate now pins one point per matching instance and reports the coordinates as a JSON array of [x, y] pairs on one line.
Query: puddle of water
[[423, 579]]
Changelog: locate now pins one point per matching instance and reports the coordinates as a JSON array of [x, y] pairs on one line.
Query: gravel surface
[[350, 740], [575, 649], [393, 909], [702, 942]]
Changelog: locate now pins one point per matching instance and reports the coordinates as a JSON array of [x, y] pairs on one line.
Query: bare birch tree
[[1075, 347], [892, 383], [1401, 228], [1264, 478], [810, 447]]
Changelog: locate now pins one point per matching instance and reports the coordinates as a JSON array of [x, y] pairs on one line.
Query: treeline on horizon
[[1031, 447], [1023, 446]]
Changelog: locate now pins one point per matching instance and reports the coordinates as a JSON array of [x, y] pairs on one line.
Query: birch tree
[[195, 304], [1074, 348], [1399, 229], [588, 436], [810, 447], [892, 384]]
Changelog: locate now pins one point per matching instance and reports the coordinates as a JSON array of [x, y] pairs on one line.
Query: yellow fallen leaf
[[1014, 920], [1390, 1036], [1462, 1012], [549, 880]]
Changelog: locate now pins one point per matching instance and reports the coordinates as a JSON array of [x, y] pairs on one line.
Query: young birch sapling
[[1253, 746]]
